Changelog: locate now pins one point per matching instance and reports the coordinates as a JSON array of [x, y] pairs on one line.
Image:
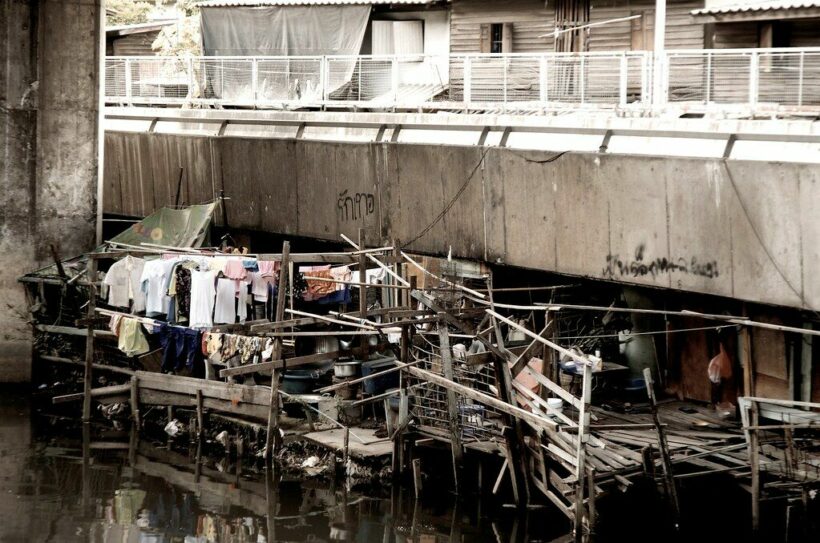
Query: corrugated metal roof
[[259, 3], [753, 7]]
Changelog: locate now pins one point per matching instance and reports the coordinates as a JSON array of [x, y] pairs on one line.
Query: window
[[496, 38], [398, 37], [642, 31]]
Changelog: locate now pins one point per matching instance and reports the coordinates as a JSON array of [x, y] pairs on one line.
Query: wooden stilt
[[346, 452], [514, 438], [417, 476], [89, 340], [592, 513], [452, 404], [363, 340], [666, 460], [200, 415], [274, 439], [745, 344], [135, 406], [583, 437], [754, 461]]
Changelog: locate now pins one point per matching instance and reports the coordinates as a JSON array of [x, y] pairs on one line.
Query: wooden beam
[[91, 266], [293, 362], [95, 393]]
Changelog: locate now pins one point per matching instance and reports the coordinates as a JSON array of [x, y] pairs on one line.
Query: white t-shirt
[[225, 312], [123, 281], [203, 293], [242, 300], [154, 281]]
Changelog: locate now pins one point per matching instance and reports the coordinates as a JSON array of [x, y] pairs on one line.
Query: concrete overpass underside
[[748, 230]]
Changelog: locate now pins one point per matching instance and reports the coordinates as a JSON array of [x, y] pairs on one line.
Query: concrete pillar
[[49, 102]]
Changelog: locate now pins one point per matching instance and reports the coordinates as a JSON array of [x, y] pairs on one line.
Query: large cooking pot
[[351, 368]]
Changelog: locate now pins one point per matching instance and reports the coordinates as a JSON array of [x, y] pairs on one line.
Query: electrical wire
[[452, 202], [759, 237]]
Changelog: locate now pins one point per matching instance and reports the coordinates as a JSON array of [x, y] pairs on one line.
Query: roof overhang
[[758, 11], [140, 28]]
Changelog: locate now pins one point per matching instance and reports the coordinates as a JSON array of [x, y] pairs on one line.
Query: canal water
[[53, 490]]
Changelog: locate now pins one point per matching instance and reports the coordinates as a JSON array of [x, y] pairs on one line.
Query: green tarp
[[186, 227]]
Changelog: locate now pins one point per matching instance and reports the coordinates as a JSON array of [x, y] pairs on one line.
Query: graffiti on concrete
[[641, 266], [355, 206]]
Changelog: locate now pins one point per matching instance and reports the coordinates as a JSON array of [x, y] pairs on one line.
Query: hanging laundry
[[268, 268], [316, 288], [154, 283], [373, 276], [203, 293], [336, 297], [225, 312], [242, 301], [213, 346], [182, 347], [260, 286], [131, 340], [342, 273], [123, 281], [234, 269]]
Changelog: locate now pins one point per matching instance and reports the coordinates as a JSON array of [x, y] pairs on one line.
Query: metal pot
[[347, 369]]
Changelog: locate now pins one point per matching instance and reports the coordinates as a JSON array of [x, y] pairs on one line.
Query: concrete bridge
[[602, 197]]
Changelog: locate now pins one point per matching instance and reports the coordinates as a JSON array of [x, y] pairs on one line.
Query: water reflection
[[86, 486]]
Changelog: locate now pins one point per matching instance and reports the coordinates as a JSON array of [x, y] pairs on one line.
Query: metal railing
[[756, 79]]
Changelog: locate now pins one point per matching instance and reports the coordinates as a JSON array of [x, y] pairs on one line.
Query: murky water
[[53, 490]]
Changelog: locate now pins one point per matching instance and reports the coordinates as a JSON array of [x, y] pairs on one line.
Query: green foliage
[[180, 40], [126, 12]]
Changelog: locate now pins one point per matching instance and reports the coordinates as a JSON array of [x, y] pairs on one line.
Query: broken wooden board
[[363, 442]]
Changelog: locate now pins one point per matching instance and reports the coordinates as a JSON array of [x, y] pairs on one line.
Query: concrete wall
[[746, 230], [49, 51]]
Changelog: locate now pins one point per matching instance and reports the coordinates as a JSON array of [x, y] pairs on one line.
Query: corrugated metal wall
[[135, 45]]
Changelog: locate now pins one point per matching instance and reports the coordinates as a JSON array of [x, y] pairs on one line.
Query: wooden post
[[89, 340], [398, 293], [135, 406], [745, 343], [240, 452], [398, 437], [754, 461], [452, 403], [417, 476], [272, 499], [514, 439], [592, 513], [363, 341], [583, 436], [666, 460], [346, 447], [274, 439], [200, 416]]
